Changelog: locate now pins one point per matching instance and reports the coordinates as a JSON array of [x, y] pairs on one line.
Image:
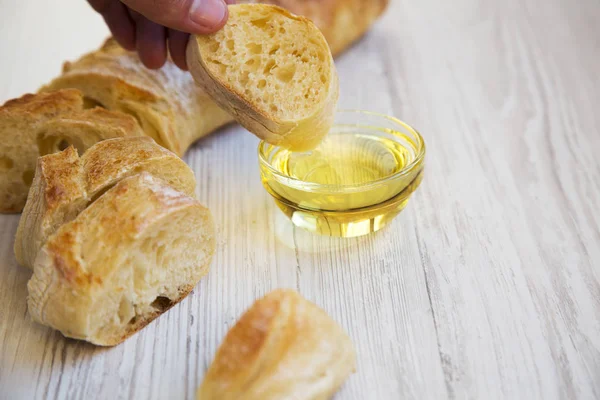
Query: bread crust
[[65, 183], [94, 279], [19, 119], [169, 106], [299, 134], [35, 124], [283, 347]]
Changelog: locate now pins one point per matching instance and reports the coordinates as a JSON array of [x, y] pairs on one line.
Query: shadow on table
[[297, 238]]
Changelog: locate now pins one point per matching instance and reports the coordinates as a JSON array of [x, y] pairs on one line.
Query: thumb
[[192, 16]]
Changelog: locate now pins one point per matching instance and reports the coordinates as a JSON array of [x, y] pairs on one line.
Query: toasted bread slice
[[272, 71], [65, 184], [283, 347], [131, 255]]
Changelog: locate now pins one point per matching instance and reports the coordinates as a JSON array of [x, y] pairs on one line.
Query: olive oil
[[357, 180], [345, 160]]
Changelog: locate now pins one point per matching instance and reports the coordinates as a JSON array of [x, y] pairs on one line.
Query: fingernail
[[208, 13]]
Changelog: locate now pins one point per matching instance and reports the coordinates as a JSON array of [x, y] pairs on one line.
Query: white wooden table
[[487, 286]]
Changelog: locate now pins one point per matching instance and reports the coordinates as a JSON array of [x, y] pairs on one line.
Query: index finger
[[117, 19]]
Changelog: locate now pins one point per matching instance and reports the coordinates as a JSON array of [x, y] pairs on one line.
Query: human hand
[[148, 25]]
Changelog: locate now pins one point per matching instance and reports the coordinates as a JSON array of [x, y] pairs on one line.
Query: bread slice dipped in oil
[[66, 183], [272, 71], [283, 347], [127, 258]]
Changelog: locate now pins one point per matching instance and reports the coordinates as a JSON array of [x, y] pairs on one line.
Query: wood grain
[[487, 286]]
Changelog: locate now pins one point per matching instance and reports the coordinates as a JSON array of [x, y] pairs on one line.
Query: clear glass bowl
[[354, 183]]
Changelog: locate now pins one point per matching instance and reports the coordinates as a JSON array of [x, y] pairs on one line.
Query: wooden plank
[[513, 288]]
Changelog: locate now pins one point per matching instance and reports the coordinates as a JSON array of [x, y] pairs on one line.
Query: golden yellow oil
[[344, 159], [356, 181], [343, 172]]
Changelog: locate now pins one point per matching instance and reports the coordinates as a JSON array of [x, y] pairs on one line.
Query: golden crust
[[62, 176], [119, 213], [48, 104], [96, 278], [170, 107], [64, 184], [38, 124], [111, 160], [282, 347]]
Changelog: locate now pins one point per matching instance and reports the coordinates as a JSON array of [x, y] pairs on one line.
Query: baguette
[[283, 347], [272, 71], [131, 255], [170, 107], [37, 124], [66, 183]]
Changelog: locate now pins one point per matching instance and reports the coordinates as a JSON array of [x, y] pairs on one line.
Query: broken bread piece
[[127, 258], [65, 183], [38, 124], [272, 71], [283, 347]]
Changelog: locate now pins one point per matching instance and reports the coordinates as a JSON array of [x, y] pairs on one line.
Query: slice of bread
[[37, 124], [131, 255], [272, 71], [65, 184], [283, 347]]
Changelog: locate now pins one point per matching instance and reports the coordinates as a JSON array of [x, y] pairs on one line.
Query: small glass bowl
[[354, 183]]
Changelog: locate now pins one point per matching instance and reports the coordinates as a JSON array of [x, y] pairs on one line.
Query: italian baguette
[[65, 184], [128, 257]]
